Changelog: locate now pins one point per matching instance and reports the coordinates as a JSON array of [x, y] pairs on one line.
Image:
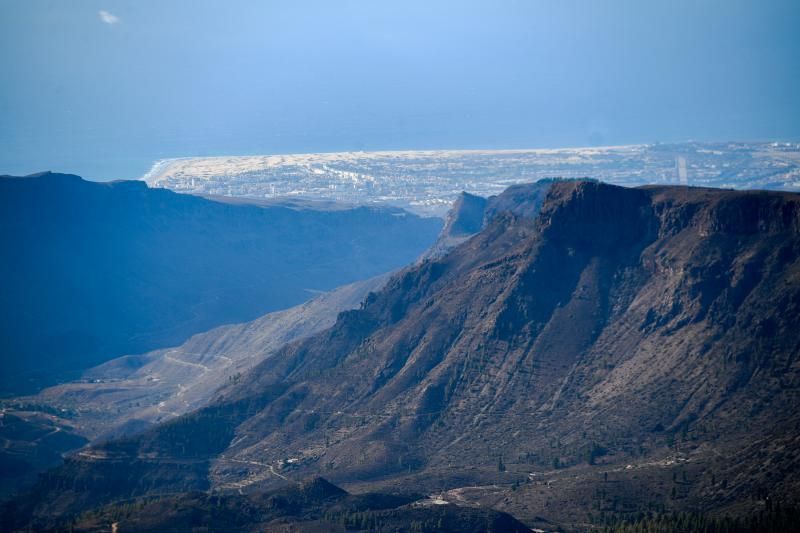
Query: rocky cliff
[[616, 350]]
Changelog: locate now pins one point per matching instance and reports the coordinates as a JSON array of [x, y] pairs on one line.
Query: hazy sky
[[104, 88]]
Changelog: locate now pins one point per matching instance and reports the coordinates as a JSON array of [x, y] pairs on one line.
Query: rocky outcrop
[[470, 214]]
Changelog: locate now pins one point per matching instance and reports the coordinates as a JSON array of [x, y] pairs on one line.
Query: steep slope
[[470, 214], [624, 350], [128, 393], [93, 271], [464, 220], [132, 392]]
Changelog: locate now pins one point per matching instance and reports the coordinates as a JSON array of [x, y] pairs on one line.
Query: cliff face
[[630, 332], [614, 312], [466, 216], [470, 214]]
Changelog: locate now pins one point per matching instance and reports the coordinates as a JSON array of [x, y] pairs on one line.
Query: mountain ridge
[[99, 270], [630, 335]]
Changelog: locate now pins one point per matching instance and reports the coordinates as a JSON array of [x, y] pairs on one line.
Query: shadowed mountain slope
[[92, 271], [628, 348], [312, 505], [129, 393]]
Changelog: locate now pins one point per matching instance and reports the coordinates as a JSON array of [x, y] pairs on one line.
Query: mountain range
[[593, 351], [94, 271]]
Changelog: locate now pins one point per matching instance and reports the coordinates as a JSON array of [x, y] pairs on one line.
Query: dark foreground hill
[[612, 353], [312, 505], [92, 271]]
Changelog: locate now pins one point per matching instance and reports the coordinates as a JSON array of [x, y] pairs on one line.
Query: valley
[[572, 353], [95, 271], [132, 392]]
